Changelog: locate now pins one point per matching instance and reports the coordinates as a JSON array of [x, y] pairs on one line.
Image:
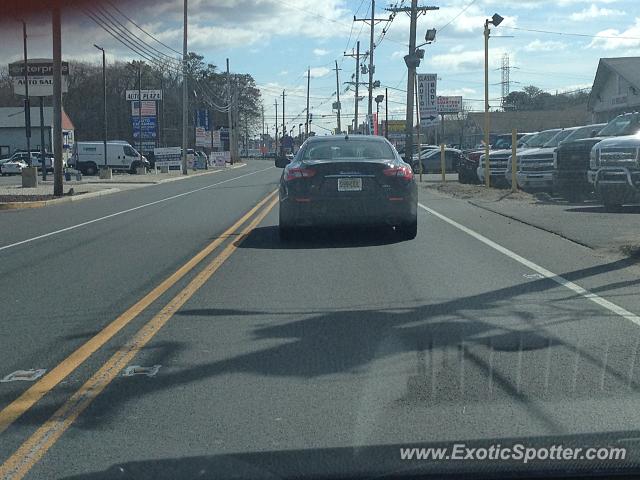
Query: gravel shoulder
[[585, 222]]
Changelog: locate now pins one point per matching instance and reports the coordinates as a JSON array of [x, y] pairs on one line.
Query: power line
[[456, 17], [142, 29], [573, 34]]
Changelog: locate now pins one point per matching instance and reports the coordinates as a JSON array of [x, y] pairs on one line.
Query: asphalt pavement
[[322, 355]]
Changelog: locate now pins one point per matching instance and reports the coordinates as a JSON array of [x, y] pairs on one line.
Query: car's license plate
[[349, 184]]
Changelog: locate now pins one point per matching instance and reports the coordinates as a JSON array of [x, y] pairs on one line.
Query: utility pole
[[284, 128], [185, 98], [104, 104], [58, 189], [27, 103], [229, 111], [338, 96], [386, 113], [139, 111], [306, 128], [412, 62], [262, 137], [372, 23], [275, 103], [357, 57], [236, 121]]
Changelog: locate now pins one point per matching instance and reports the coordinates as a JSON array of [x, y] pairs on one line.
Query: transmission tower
[[505, 83]]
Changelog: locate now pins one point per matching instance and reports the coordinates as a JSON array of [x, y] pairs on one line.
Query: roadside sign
[[168, 156], [148, 127], [220, 158], [148, 108], [146, 95], [449, 104], [40, 77], [427, 98], [203, 137]]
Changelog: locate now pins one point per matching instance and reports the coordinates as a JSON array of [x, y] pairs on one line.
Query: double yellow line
[[32, 450]]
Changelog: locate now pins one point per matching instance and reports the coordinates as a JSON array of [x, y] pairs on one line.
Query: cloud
[[544, 46], [595, 12], [320, 52], [467, 60], [629, 38], [318, 72]]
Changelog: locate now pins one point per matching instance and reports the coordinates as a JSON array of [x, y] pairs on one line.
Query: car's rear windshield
[[352, 149]]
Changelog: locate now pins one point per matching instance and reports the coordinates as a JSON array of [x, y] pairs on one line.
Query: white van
[[89, 156]]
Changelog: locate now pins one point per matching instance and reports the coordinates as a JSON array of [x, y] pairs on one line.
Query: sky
[[552, 44]]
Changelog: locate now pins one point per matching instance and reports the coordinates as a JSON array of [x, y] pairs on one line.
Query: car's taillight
[[297, 172], [402, 172]]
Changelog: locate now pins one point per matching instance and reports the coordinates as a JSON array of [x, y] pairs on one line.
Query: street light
[[300, 131], [495, 20], [104, 104], [378, 99]]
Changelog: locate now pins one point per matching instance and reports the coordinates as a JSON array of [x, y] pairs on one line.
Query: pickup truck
[[534, 167], [614, 170], [570, 176]]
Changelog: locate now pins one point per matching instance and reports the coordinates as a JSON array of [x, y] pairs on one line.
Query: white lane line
[[106, 217], [612, 307]]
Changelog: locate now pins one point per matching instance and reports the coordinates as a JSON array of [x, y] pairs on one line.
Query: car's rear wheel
[[286, 231], [408, 230], [90, 169]]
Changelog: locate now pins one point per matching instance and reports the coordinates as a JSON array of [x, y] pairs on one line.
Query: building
[[616, 88], [12, 131]]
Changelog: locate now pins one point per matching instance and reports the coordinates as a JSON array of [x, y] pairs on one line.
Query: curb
[[56, 201], [100, 193]]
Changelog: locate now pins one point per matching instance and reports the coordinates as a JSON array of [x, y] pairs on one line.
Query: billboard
[[40, 75], [427, 98], [449, 104]]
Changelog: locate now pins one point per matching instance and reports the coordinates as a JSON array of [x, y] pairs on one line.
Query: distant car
[[468, 167], [338, 180], [423, 146], [13, 167], [289, 156], [431, 160]]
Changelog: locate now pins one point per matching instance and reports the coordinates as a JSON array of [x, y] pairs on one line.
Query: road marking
[[129, 210], [612, 307], [32, 395], [32, 450]]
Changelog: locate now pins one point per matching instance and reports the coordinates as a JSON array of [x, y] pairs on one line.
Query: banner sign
[[146, 95], [449, 104], [427, 98], [202, 118], [203, 137]]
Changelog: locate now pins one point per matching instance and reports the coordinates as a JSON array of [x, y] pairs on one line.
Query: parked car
[[89, 156], [338, 180], [431, 161], [13, 167], [468, 166], [423, 146], [534, 168], [572, 158], [614, 170], [24, 156], [498, 159]]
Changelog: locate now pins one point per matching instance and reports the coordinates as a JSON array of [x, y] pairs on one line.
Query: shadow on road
[[626, 209], [382, 461], [267, 238], [481, 330]]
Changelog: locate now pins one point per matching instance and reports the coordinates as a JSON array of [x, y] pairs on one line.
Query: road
[[317, 356]]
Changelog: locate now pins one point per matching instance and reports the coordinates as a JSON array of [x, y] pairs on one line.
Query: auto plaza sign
[[40, 77]]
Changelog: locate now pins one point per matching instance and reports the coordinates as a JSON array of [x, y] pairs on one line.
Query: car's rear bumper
[[393, 210]]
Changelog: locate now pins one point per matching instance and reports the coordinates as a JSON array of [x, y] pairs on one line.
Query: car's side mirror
[[282, 162]]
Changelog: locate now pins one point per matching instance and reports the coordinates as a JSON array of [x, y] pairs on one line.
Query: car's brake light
[[297, 172], [403, 172]]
